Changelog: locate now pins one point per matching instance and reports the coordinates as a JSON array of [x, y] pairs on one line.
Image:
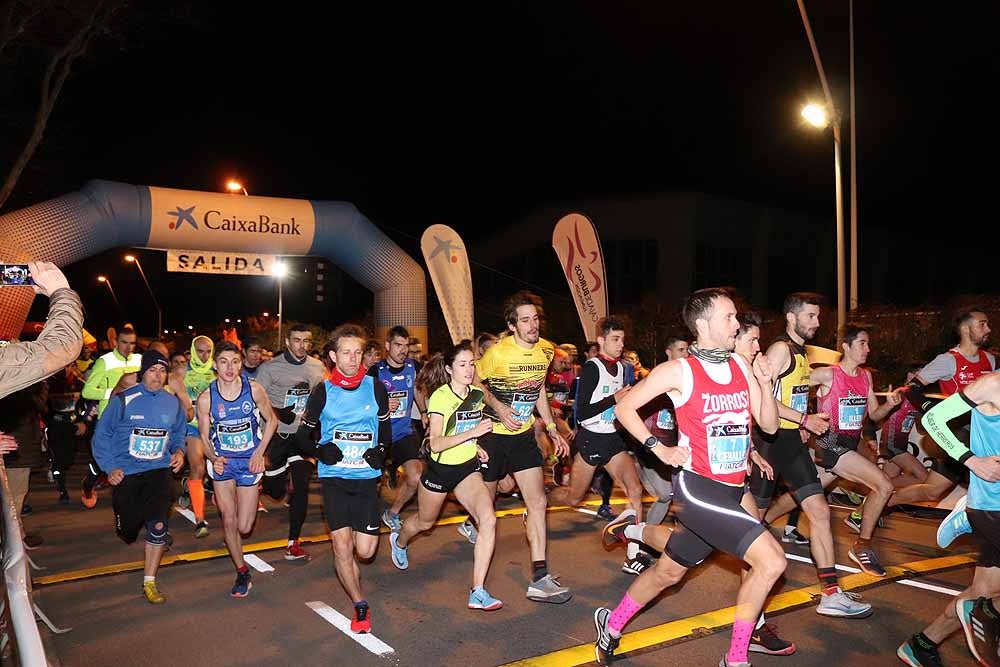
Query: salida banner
[[448, 263], [575, 242], [201, 261]]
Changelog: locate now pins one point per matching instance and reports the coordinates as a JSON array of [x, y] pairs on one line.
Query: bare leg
[[985, 583], [532, 485], [579, 483], [475, 498], [342, 541], [621, 467], [856, 468], [429, 506], [225, 497], [414, 468]]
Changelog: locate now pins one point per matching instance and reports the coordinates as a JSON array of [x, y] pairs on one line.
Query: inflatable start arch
[[105, 215]]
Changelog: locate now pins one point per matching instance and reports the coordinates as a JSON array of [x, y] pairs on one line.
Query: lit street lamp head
[[280, 270], [129, 258], [234, 186], [815, 115], [102, 279]]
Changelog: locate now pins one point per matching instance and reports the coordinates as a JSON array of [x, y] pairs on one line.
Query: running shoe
[[546, 589], [242, 587], [260, 505], [605, 646], [614, 532], [63, 498], [467, 529], [26, 509], [89, 500], [399, 557], [392, 521], [867, 560], [152, 593], [637, 565], [605, 512], [853, 521], [793, 536], [765, 639], [201, 529], [32, 541], [980, 626], [915, 654], [855, 498], [480, 598], [294, 552], [362, 621], [955, 524], [184, 499], [843, 605], [725, 663]]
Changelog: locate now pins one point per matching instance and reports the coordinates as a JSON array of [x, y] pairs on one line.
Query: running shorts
[[443, 478], [596, 449], [792, 462], [235, 469], [139, 498], [986, 529], [509, 454], [351, 503], [405, 450], [709, 517]]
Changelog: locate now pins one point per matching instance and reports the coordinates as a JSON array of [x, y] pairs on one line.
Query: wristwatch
[[651, 442]]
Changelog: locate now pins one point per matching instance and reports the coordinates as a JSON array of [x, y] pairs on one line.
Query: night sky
[[472, 115]]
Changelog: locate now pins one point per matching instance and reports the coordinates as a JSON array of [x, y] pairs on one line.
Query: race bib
[[297, 399], [560, 396], [147, 443], [799, 400], [608, 416], [851, 412], [466, 420], [665, 420], [353, 444], [523, 405], [728, 445], [236, 437], [403, 409], [908, 422]]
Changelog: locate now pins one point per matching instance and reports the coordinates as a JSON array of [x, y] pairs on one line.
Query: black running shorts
[[596, 449], [509, 454], [709, 517], [792, 461], [351, 503], [405, 450], [139, 498], [986, 529], [443, 478], [830, 447]]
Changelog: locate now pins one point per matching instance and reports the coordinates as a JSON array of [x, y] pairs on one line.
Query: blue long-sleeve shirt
[[139, 430]]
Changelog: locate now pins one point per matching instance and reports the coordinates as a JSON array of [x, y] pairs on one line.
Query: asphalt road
[[421, 615]]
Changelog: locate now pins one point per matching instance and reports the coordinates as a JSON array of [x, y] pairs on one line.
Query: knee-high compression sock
[[622, 614], [298, 504], [197, 492], [740, 641]]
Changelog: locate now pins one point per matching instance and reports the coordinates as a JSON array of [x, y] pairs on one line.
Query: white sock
[[760, 622], [146, 579], [632, 550], [634, 532], [291, 542], [789, 528]]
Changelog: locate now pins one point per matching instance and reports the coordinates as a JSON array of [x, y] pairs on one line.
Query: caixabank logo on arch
[[216, 221]]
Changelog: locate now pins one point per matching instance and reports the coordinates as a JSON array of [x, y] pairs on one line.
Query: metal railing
[[19, 635]]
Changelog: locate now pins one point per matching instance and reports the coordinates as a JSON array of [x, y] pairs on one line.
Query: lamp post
[[159, 311], [279, 271], [104, 279], [817, 116], [235, 187]]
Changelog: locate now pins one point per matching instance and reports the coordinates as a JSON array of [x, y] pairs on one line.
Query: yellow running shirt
[[516, 376], [792, 387], [460, 415]]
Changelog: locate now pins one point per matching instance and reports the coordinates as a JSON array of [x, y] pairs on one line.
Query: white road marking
[[905, 582], [342, 623], [257, 563], [187, 514]]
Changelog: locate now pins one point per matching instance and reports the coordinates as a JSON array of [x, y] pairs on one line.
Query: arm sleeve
[[310, 420], [936, 424], [384, 424], [104, 435], [588, 383], [178, 431], [96, 387], [59, 343]]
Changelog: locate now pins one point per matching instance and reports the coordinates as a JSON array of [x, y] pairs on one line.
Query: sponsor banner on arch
[[218, 221], [579, 249], [448, 263], [229, 263]]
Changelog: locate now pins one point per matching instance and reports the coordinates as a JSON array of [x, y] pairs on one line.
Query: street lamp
[[159, 311], [236, 187], [818, 116], [279, 271], [104, 279]]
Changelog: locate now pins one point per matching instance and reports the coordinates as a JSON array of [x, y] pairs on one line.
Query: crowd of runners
[[727, 435]]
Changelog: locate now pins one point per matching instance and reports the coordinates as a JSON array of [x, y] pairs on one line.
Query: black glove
[[329, 453], [375, 456], [286, 415]]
